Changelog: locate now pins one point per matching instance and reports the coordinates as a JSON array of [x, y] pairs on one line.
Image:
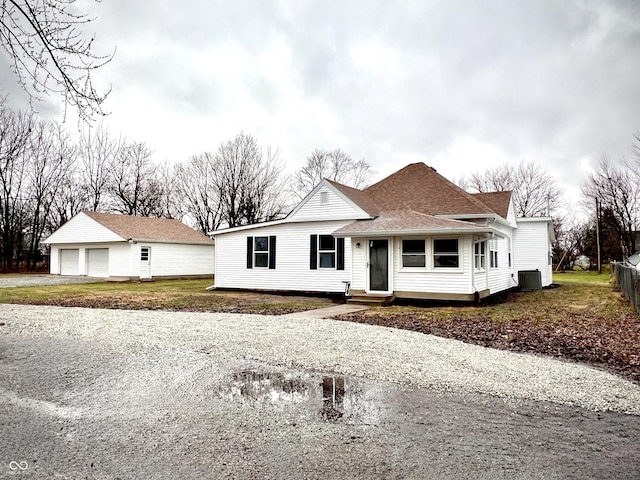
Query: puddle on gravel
[[331, 398]]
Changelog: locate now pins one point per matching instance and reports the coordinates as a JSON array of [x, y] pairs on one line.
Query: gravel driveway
[[33, 280], [139, 394]]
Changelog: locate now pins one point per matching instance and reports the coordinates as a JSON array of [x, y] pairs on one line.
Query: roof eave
[[418, 231], [181, 242], [474, 216]]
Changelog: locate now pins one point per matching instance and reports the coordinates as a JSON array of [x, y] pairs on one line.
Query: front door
[[379, 265]]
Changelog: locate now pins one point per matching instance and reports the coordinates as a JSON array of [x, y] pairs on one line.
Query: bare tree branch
[[50, 55], [334, 165]]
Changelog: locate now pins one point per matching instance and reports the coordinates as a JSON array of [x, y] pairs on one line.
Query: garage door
[[98, 262], [69, 261]]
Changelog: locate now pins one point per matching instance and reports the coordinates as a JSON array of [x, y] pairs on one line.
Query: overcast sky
[[459, 85]]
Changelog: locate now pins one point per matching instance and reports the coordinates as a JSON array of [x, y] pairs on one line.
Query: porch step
[[371, 300]]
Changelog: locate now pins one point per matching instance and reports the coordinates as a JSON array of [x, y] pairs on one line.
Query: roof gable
[[332, 201], [420, 188]]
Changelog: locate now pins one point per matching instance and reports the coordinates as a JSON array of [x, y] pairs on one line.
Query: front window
[[413, 253], [261, 252], [479, 255], [445, 253], [327, 251]]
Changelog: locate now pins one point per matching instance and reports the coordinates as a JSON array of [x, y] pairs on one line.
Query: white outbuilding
[[108, 245]]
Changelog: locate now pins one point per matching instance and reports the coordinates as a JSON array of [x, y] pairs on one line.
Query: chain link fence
[[628, 280]]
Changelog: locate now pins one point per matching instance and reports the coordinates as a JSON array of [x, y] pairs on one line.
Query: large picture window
[[445, 253], [413, 253]]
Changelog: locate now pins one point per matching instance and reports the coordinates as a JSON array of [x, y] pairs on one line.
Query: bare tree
[[198, 193], [50, 156], [334, 165], [15, 128], [248, 181], [134, 185], [535, 191], [49, 53], [617, 188], [98, 152], [170, 199], [571, 235]]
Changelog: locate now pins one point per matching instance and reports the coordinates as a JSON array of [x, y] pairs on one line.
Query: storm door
[[379, 265]]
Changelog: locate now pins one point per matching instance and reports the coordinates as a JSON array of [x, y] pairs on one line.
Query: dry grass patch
[[183, 295]]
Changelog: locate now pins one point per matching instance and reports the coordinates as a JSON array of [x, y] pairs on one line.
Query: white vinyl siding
[[83, 229], [434, 280], [175, 259], [531, 248], [326, 203], [169, 259], [292, 270]]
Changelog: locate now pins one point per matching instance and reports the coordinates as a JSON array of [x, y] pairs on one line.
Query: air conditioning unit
[[529, 280]]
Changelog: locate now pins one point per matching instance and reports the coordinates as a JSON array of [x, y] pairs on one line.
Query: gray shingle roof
[[406, 221]]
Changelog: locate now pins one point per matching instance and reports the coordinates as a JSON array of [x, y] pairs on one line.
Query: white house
[[414, 234], [108, 245]]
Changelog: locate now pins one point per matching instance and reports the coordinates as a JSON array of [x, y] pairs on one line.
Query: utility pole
[[598, 233]]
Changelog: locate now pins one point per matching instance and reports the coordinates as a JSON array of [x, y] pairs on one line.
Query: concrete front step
[[371, 300]]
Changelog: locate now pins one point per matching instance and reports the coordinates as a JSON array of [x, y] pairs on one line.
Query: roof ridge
[[420, 187]]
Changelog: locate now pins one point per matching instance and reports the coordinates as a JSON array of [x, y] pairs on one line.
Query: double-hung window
[[326, 251], [261, 252], [414, 253], [445, 253], [493, 253], [479, 255]]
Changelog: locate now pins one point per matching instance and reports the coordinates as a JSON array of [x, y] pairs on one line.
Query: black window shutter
[[249, 252], [313, 254], [272, 252], [340, 253]]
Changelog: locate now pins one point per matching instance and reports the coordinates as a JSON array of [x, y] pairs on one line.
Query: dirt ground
[[72, 408]]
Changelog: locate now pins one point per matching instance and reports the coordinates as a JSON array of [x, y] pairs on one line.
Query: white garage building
[[106, 245]]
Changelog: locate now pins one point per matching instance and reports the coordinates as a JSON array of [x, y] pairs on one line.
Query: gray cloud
[[554, 82]]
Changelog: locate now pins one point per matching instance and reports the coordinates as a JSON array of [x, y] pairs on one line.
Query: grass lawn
[[187, 295]]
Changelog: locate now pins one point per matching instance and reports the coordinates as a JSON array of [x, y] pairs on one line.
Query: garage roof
[[82, 229]]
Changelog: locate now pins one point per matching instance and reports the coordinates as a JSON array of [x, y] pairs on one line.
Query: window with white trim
[[414, 253], [445, 253], [493, 253], [261, 252], [326, 251], [479, 255]]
